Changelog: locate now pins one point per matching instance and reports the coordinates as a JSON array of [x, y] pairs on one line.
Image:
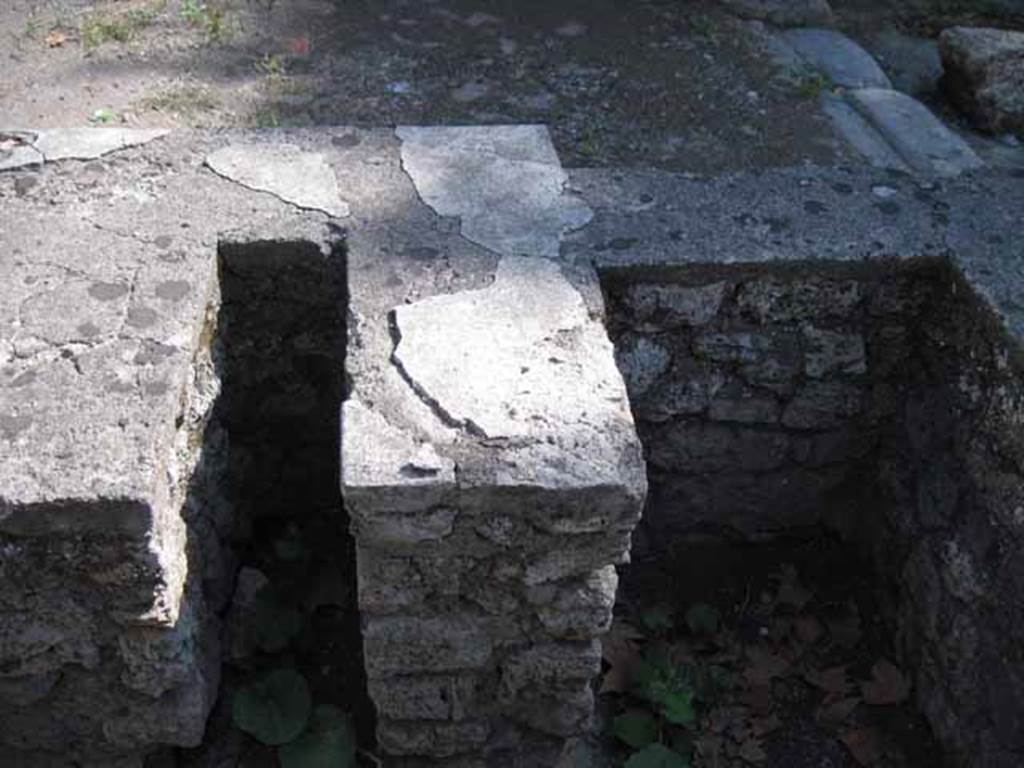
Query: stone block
[[697, 447], [452, 697], [667, 306], [920, 139], [800, 300], [576, 610], [823, 405], [549, 665], [828, 353], [838, 57], [642, 361], [405, 645], [984, 75], [428, 739]]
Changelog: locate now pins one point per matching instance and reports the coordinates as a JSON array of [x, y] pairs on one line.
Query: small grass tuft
[[100, 27], [183, 99], [208, 16], [812, 84]]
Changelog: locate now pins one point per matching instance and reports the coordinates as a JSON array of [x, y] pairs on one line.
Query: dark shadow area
[[279, 351]]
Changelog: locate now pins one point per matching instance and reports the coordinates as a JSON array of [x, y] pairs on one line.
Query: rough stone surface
[[505, 183], [984, 75], [784, 13], [519, 513], [838, 57], [509, 474], [920, 138], [109, 510], [302, 178], [879, 416], [519, 357]]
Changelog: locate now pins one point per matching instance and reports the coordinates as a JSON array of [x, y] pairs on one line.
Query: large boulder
[[984, 76]]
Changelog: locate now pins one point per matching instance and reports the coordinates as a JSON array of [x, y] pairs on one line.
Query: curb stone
[[888, 127]]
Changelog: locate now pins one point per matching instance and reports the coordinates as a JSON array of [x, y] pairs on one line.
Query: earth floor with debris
[[772, 655], [661, 83]]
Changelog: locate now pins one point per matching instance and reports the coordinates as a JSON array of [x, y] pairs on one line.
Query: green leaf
[[329, 741], [668, 688], [103, 115], [702, 619], [274, 709], [274, 624], [656, 756], [637, 728], [677, 707], [657, 619]]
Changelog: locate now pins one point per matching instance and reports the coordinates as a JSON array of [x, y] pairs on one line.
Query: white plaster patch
[[301, 178], [504, 182]]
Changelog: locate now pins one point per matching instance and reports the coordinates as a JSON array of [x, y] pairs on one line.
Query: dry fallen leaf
[[763, 725], [863, 745], [763, 666], [835, 713], [832, 680], [887, 684], [56, 38], [751, 752]]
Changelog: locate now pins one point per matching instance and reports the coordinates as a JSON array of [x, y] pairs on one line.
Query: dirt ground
[[668, 83]]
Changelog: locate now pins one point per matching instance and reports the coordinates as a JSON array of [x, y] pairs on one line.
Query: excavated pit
[[852, 429], [290, 598]]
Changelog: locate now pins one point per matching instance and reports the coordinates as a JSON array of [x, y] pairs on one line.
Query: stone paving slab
[[852, 126], [838, 57], [920, 138], [504, 182], [808, 215], [50, 145]]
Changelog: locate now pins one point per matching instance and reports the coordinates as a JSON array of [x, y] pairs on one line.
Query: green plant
[[99, 28], [183, 99], [329, 741], [811, 85], [271, 64], [274, 709], [657, 756], [103, 115], [210, 17], [636, 728], [668, 689]]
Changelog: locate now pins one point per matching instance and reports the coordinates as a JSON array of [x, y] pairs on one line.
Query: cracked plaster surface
[[505, 183], [525, 365], [19, 148], [301, 178]]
